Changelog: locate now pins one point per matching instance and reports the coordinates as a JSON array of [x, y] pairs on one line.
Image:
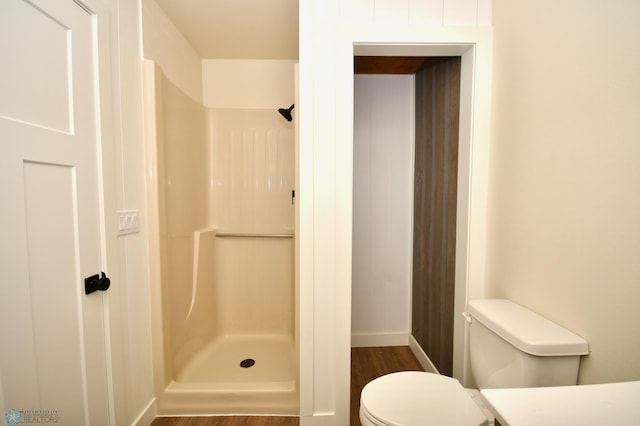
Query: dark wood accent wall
[[435, 189]]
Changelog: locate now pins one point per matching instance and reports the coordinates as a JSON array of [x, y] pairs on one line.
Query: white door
[[52, 335]]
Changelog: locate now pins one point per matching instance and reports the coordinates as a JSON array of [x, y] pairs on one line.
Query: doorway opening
[[406, 120]]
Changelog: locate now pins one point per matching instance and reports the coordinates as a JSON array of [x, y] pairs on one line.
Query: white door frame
[[474, 47], [323, 381], [472, 169], [104, 17]]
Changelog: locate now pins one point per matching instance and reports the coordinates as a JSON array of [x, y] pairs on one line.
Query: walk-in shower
[[221, 227]]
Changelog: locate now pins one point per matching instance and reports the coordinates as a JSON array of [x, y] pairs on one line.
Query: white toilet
[[510, 347]]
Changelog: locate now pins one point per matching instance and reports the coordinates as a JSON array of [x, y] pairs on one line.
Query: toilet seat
[[416, 398]]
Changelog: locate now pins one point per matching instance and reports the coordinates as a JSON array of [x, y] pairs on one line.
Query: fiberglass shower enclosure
[[223, 258]]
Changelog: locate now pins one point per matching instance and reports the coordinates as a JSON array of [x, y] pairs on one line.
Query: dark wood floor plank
[[227, 421], [370, 363], [366, 365]]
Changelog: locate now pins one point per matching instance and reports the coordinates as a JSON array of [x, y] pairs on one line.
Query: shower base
[[214, 382], [220, 360]]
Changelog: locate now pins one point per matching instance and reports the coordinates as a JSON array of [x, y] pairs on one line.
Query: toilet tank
[[513, 347]]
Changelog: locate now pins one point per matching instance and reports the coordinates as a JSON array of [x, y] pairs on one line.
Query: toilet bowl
[[415, 398], [510, 347]]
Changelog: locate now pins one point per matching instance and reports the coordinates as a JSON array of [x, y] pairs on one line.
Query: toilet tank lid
[[526, 330]]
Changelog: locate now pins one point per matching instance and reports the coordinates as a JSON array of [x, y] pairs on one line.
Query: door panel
[[51, 293], [39, 67], [53, 356]]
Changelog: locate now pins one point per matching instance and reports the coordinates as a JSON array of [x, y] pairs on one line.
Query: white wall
[[248, 83], [382, 207], [165, 44], [563, 232], [127, 260], [417, 12]]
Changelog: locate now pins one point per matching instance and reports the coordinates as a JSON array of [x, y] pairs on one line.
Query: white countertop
[[586, 405]]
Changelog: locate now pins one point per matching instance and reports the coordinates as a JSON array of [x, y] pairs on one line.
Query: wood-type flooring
[[366, 365]]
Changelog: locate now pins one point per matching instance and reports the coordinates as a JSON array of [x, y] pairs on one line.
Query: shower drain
[[246, 363]]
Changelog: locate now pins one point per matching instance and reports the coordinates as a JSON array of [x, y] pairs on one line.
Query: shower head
[[286, 112]]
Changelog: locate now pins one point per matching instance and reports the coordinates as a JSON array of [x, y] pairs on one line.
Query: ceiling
[[237, 29]]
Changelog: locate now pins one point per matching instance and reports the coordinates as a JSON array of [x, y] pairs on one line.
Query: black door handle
[[96, 282]]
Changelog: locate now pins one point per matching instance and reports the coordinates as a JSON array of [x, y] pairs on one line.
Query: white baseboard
[[379, 339], [423, 359], [318, 420], [148, 414]]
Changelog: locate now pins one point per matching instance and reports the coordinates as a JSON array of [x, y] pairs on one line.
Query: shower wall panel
[[260, 297], [252, 171], [182, 177], [252, 178]]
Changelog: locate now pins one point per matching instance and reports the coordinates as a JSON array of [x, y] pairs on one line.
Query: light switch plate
[[128, 222]]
